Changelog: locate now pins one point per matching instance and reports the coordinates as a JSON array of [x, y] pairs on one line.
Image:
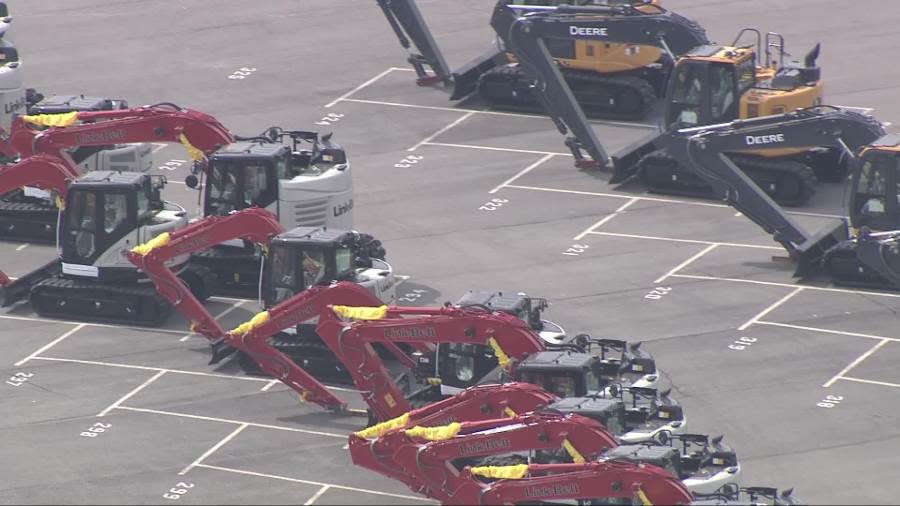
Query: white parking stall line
[[522, 172], [50, 344], [312, 500], [856, 362], [826, 331], [317, 483], [787, 285], [22, 246], [235, 422], [361, 86], [771, 308], [493, 148], [488, 112], [871, 382], [687, 262], [86, 324], [237, 304], [687, 241], [158, 146], [215, 448], [442, 130], [132, 393], [606, 219], [269, 385]]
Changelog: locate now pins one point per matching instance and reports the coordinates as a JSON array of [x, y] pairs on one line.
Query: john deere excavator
[[709, 84], [855, 251], [619, 80]]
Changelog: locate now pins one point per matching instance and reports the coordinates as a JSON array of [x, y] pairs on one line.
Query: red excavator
[[427, 459], [46, 150], [301, 259]]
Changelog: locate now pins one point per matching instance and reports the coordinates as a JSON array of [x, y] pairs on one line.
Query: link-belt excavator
[[709, 84], [843, 250], [612, 80], [28, 140], [429, 459]]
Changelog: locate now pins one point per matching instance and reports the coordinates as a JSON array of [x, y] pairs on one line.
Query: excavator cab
[[263, 171], [304, 257], [103, 208], [875, 196]]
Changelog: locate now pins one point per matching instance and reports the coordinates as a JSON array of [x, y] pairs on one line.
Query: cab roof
[[107, 179], [556, 360], [244, 149], [317, 236], [717, 53]]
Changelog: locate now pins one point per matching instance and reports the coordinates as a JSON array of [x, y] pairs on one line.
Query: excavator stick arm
[[253, 224], [408, 24], [704, 150], [525, 37]]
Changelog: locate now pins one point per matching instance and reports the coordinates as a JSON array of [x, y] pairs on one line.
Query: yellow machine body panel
[[763, 100], [606, 58]]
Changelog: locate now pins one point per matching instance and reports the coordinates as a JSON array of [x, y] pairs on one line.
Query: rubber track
[[759, 169], [515, 79], [24, 219], [80, 296], [845, 269]]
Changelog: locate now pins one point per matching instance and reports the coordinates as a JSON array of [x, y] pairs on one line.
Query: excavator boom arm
[[525, 37], [159, 123], [510, 337], [704, 149], [47, 172], [604, 479]]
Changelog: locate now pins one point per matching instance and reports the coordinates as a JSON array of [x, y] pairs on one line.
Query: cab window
[[143, 201], [746, 72], [82, 216], [115, 211], [722, 93], [872, 188], [313, 265], [461, 359], [283, 275], [256, 183], [344, 259]]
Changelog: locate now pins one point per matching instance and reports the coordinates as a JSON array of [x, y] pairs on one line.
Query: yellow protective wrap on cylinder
[[247, 326], [577, 457], [60, 203], [52, 120], [502, 472], [509, 412], [643, 497], [383, 428], [156, 242], [196, 154], [435, 433], [502, 357], [361, 313]]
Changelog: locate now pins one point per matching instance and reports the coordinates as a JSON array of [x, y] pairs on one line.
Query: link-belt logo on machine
[[753, 140], [483, 446], [588, 32], [105, 136], [342, 208], [15, 106], [410, 333], [549, 491]]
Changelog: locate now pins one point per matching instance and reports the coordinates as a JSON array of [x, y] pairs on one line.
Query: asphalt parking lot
[[491, 202]]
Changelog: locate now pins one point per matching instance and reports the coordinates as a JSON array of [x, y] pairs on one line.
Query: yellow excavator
[[612, 80], [709, 84]]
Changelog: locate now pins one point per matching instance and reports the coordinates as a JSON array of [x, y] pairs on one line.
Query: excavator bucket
[[465, 80], [625, 162], [408, 24], [809, 254]]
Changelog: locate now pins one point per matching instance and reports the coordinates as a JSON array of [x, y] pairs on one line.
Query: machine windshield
[[282, 277], [687, 95], [223, 193], [236, 185], [878, 179]]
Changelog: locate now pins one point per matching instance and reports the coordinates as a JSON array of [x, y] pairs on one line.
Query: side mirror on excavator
[[810, 60]]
